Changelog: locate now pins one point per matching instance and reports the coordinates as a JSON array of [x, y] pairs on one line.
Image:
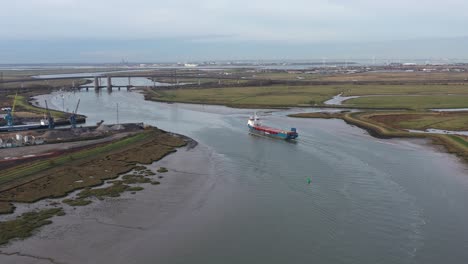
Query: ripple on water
[[370, 200]]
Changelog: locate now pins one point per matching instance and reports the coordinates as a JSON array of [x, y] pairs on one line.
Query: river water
[[369, 201]]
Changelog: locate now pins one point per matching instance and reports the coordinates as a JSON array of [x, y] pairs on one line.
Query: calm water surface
[[370, 200]]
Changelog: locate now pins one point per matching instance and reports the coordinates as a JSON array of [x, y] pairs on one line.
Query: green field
[[263, 96], [457, 121], [410, 102], [435, 89], [283, 95]]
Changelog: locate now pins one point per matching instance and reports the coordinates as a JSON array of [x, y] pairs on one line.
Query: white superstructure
[[254, 121]]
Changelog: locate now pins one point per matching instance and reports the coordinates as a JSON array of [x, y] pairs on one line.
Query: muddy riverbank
[[370, 200], [124, 222]]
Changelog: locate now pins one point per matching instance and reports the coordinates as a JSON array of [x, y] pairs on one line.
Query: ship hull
[[273, 133]]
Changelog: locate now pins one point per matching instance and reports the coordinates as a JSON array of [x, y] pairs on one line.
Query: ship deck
[[270, 129]]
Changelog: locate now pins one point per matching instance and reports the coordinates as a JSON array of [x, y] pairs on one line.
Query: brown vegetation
[[323, 115], [77, 173], [6, 208]]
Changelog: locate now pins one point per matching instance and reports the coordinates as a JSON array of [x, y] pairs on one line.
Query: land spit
[[151, 213], [81, 167]]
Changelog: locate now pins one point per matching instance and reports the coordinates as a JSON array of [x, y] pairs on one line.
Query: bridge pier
[[96, 84], [129, 83], [109, 83]]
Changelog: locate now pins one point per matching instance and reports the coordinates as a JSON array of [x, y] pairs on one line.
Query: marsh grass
[[25, 225]]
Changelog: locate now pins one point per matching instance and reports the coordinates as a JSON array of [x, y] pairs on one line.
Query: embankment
[[455, 144]]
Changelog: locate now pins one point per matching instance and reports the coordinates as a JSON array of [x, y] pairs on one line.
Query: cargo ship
[[256, 127]]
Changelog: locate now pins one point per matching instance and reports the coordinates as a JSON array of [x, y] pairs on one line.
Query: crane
[[73, 115], [50, 119], [10, 111]]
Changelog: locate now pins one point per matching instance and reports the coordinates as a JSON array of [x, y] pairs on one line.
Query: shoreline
[[152, 210], [373, 129], [127, 145], [153, 224], [449, 143], [85, 175], [452, 144]]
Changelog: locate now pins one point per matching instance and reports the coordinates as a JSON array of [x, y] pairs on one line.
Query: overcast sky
[[109, 29]]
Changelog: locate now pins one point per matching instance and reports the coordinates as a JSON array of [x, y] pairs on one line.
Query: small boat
[[256, 127]]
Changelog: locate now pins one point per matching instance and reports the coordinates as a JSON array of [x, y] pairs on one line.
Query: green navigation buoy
[[308, 180]]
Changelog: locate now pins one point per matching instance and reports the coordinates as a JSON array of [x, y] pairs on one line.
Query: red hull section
[[269, 130]]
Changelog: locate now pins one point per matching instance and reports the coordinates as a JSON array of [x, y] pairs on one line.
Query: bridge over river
[[98, 83]]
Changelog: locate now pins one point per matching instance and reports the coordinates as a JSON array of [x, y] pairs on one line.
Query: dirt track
[[28, 151]]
